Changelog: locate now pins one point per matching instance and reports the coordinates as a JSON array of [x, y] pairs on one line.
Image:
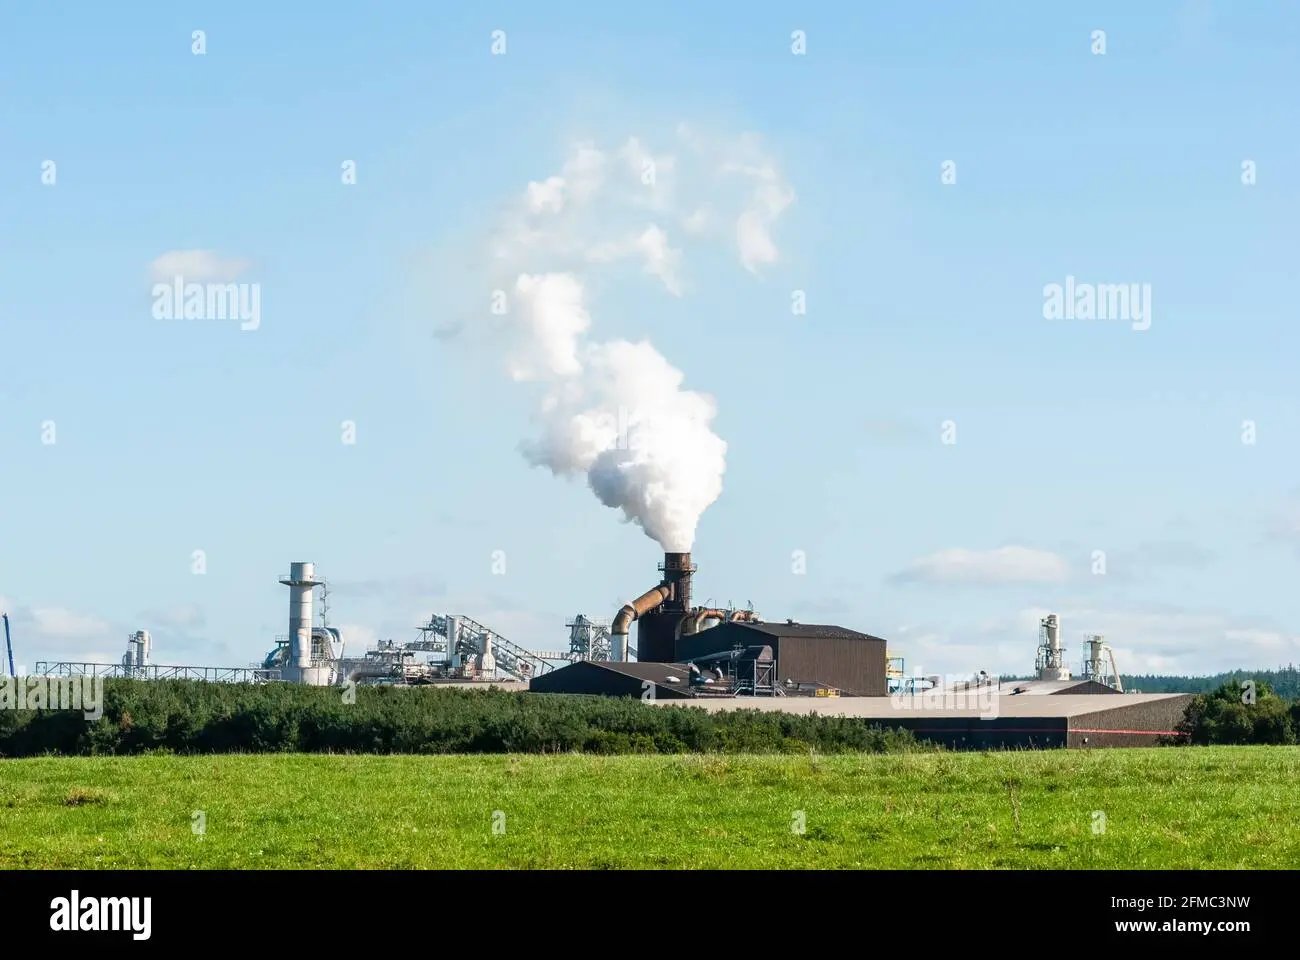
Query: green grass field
[[1216, 807]]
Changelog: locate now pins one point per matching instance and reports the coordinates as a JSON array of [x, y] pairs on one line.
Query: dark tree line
[[183, 716], [1284, 681]]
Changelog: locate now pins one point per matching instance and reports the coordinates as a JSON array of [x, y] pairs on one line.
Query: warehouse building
[[806, 656], [1002, 721]]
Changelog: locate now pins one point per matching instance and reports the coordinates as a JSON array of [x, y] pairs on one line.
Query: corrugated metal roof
[[656, 672], [1028, 688]]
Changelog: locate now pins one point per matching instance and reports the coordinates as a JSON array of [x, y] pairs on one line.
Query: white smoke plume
[[616, 412]]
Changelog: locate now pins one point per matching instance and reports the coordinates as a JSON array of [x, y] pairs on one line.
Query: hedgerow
[[185, 717]]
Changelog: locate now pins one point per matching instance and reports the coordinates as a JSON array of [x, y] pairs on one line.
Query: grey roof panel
[[815, 631]]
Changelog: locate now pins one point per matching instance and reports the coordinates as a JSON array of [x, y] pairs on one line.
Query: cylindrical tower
[[677, 570], [657, 628], [1051, 655], [142, 643], [1094, 666], [301, 582]]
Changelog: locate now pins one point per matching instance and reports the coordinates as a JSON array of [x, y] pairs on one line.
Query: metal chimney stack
[[677, 570], [657, 629], [301, 582]]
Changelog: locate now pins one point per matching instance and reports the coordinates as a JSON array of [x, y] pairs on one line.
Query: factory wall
[[856, 667], [1131, 725], [654, 637], [975, 733]]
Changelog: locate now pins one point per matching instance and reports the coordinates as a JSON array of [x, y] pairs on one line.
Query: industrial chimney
[[301, 582], [677, 570], [659, 611]]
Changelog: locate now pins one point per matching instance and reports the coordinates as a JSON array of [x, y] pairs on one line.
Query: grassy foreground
[[1214, 807]]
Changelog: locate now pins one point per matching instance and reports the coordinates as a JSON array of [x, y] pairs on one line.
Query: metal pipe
[[643, 604], [1119, 684], [692, 622]]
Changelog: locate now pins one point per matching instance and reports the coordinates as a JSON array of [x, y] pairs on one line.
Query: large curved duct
[[693, 622], [329, 642], [643, 604]]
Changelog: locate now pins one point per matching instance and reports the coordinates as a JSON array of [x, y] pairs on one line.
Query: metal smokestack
[[677, 570], [658, 610], [301, 582]]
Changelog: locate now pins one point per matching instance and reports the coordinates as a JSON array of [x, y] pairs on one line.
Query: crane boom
[[9, 647]]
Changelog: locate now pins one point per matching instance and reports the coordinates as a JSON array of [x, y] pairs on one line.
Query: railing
[[156, 672]]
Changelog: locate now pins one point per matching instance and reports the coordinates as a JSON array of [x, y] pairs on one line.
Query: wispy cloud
[[1005, 565], [196, 266], [893, 432], [407, 586]]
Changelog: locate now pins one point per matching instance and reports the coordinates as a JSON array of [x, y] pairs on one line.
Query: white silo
[[487, 663]]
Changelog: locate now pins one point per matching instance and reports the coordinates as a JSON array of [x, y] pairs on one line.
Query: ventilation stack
[[657, 632], [302, 581], [658, 611]]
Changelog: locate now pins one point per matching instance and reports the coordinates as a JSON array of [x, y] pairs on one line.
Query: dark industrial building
[[669, 681], [806, 655]]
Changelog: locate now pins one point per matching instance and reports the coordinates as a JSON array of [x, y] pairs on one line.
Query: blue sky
[[925, 305]]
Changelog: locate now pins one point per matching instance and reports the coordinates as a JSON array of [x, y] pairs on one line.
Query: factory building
[[807, 656], [1006, 721], [671, 630]]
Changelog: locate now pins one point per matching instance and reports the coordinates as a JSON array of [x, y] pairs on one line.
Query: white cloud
[[1003, 565], [552, 307], [547, 196], [603, 207], [64, 624], [579, 181], [56, 633], [698, 221], [183, 617], [357, 638], [661, 260], [196, 266], [765, 192], [754, 225]]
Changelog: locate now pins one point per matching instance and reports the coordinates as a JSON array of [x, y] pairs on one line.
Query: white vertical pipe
[[302, 582]]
